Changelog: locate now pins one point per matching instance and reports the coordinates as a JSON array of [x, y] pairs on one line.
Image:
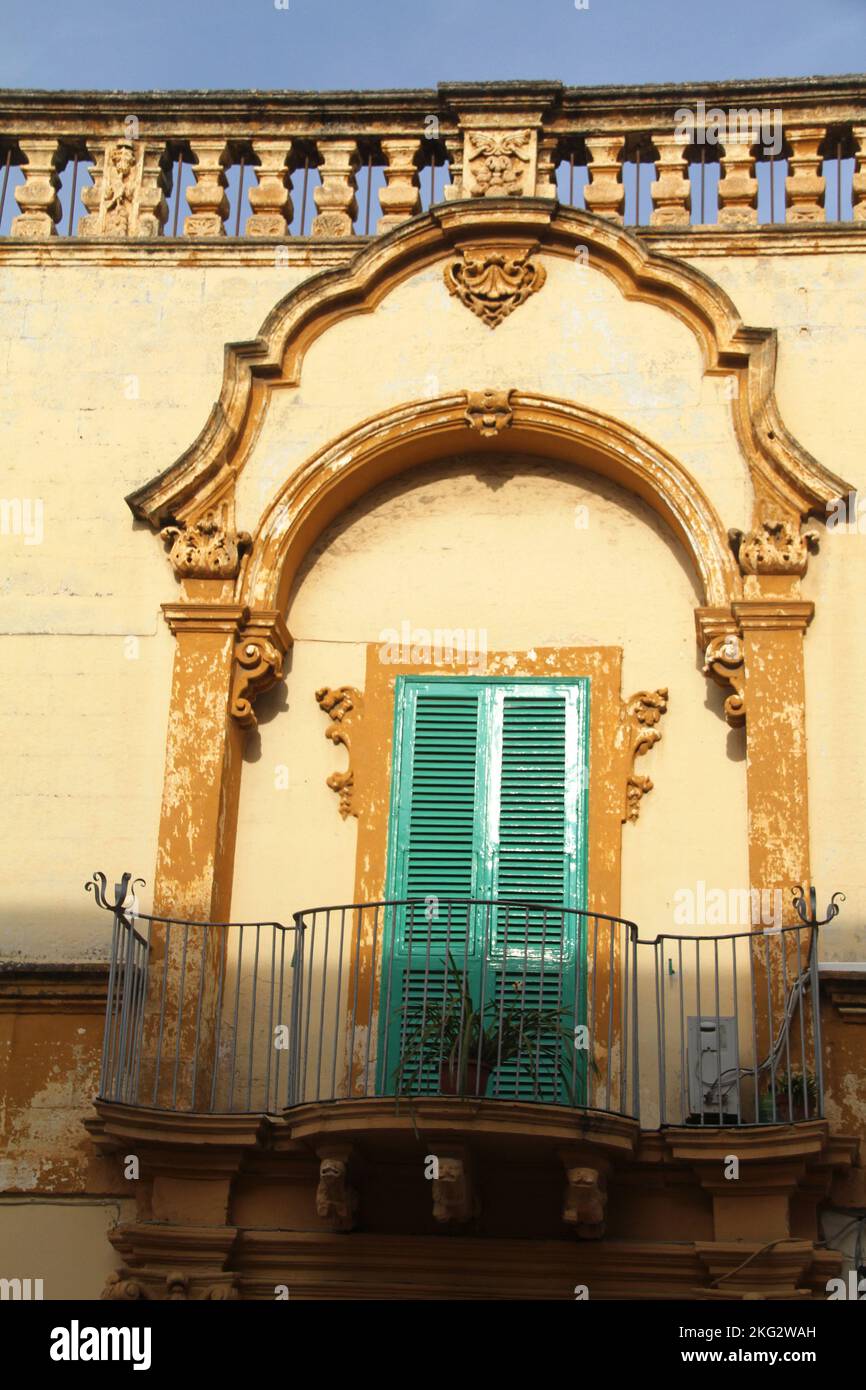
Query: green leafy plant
[[449, 1031]]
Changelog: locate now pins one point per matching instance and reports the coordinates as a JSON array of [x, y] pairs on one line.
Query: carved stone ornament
[[258, 664], [454, 1202], [724, 660], [498, 161], [488, 412], [122, 1286], [341, 705], [640, 716], [585, 1201], [336, 1199], [494, 282], [206, 549], [774, 547]]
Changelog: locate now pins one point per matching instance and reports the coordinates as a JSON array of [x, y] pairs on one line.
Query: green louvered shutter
[[488, 802], [438, 746]]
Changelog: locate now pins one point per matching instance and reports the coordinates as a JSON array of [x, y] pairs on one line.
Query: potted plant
[[466, 1043], [791, 1092]]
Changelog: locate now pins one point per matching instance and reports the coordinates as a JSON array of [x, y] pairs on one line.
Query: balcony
[[500, 1006]]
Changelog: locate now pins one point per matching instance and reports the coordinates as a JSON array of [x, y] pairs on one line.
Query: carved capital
[[342, 706], [498, 163], [637, 735], [258, 663], [494, 281], [206, 549], [488, 412], [336, 1199], [724, 661], [774, 547], [176, 1285]]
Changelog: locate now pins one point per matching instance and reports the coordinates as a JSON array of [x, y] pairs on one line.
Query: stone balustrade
[[310, 159]]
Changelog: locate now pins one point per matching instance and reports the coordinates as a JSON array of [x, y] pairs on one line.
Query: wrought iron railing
[[481, 1000]]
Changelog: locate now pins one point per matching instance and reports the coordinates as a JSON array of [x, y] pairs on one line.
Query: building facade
[[433, 559]]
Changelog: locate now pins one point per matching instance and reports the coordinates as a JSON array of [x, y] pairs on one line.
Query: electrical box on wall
[[712, 1067]]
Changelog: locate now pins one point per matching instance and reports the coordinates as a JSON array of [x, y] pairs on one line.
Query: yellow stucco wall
[[108, 374]]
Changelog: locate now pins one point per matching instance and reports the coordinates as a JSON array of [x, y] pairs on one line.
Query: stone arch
[[786, 479], [423, 431]]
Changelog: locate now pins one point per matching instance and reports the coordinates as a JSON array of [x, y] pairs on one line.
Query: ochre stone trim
[[780, 467], [774, 547], [342, 706], [640, 715], [258, 662], [425, 430]]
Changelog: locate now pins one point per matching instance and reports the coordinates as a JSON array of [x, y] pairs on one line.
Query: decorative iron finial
[[99, 883], [811, 920]]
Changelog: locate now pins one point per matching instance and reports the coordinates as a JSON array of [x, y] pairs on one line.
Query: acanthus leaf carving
[[488, 412], [341, 705], [498, 162], [724, 661], [638, 734], [494, 281], [774, 547], [208, 548]]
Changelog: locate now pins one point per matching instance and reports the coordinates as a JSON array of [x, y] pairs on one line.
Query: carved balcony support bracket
[[585, 1201], [336, 1198], [455, 1202], [343, 706], [493, 281], [258, 663], [636, 735]]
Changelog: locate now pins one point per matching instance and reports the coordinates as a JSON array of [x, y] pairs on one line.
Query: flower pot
[[474, 1079]]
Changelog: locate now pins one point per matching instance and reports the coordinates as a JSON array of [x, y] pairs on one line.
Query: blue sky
[[316, 44]]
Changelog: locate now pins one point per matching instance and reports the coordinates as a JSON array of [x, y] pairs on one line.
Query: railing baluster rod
[[320, 1048], [736, 989], [373, 954], [684, 1075], [111, 1006], [610, 969], [72, 195], [202, 970], [223, 950], [240, 196], [179, 1016], [6, 167], [162, 1002], [240, 957], [253, 1002], [700, 1017], [658, 946], [271, 1038], [816, 1017]]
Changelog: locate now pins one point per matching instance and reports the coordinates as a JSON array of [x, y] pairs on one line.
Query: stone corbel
[[454, 1200], [258, 662], [585, 1201], [206, 549], [488, 412], [499, 163], [336, 1199], [637, 734], [342, 706]]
